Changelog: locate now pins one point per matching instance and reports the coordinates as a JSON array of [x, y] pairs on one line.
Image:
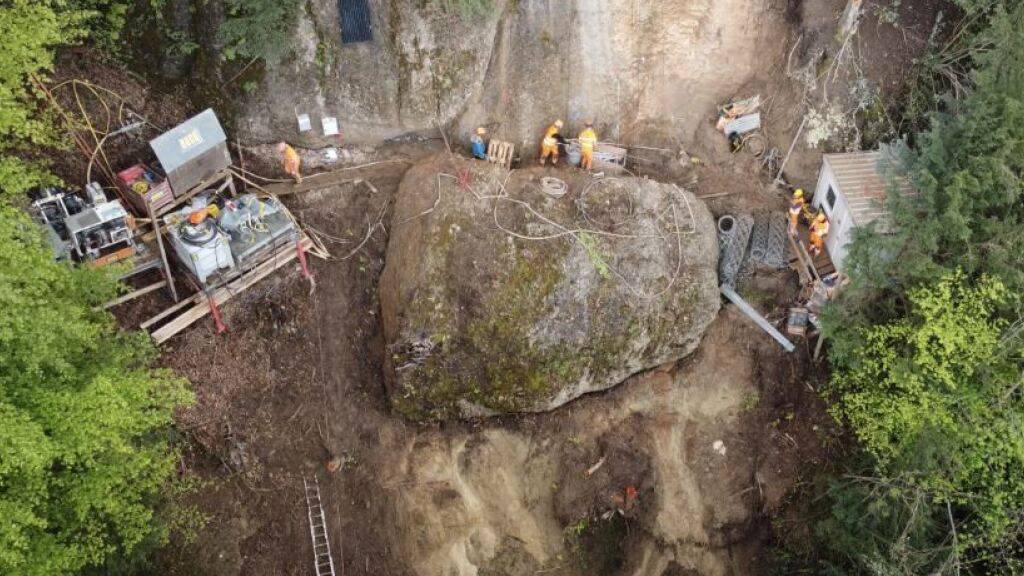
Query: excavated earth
[[674, 471]]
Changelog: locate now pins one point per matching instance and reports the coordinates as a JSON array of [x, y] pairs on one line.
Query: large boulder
[[498, 297]]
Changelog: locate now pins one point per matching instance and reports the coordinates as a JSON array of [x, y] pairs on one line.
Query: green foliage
[[104, 19], [83, 449], [592, 245], [30, 30], [968, 214], [882, 526], [84, 454], [258, 29], [926, 343], [889, 13], [933, 398]]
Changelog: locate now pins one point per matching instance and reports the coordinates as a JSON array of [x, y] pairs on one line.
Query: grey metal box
[[192, 152]]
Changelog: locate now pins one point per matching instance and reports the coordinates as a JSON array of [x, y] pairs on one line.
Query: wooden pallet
[[500, 152], [198, 306]]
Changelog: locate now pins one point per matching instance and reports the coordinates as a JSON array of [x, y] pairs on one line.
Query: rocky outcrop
[[553, 496], [498, 298], [646, 71]]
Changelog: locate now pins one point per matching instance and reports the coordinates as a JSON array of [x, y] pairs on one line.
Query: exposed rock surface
[[692, 442], [645, 70], [498, 298]]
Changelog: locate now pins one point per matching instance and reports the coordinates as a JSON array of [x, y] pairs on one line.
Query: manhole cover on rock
[[512, 301]]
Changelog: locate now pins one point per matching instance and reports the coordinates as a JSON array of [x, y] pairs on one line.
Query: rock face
[[647, 71], [705, 460], [498, 298]]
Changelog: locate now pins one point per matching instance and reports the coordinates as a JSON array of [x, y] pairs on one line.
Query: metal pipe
[[757, 318]]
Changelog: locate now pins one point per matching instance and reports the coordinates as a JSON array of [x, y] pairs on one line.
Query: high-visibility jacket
[[820, 228], [550, 139], [291, 160], [588, 139]]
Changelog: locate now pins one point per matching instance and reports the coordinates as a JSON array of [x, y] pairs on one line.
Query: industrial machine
[[192, 152], [51, 207], [198, 241], [214, 237], [99, 231], [257, 227], [93, 230]]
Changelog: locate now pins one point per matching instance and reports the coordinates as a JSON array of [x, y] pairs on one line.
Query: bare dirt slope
[[297, 379]]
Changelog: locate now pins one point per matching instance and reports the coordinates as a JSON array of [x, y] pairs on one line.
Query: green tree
[[258, 29], [30, 30], [935, 399], [83, 449], [927, 358]]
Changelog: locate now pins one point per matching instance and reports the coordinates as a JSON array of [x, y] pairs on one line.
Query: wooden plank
[[226, 292], [164, 314], [135, 294], [117, 256], [168, 274], [201, 187], [801, 264]]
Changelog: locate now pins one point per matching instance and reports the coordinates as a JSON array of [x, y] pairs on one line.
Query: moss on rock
[[482, 321]]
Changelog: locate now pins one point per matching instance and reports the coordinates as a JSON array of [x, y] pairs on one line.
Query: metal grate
[[733, 239], [356, 21], [768, 240]]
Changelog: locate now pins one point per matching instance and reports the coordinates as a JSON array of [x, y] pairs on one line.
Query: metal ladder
[[318, 529]]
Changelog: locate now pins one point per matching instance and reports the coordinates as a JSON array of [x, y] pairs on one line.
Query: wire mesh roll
[[733, 238]]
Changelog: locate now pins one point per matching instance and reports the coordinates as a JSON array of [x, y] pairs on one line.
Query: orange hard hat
[[821, 217]]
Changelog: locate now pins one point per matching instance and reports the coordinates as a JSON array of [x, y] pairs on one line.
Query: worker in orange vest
[[819, 229], [588, 141], [291, 161], [796, 208], [549, 145]]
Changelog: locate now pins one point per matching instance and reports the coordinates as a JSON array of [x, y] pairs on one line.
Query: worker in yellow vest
[[549, 145], [290, 161], [819, 230], [796, 208], [588, 141]]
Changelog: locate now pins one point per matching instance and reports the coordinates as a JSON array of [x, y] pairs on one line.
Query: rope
[[554, 187]]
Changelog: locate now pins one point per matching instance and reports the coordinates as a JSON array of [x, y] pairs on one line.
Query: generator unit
[[257, 228], [100, 230], [199, 242], [192, 152], [87, 230]]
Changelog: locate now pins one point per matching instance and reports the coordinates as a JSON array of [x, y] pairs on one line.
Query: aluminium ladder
[[318, 529]]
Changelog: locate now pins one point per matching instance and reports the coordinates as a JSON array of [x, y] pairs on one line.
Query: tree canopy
[[84, 446], [927, 349]]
